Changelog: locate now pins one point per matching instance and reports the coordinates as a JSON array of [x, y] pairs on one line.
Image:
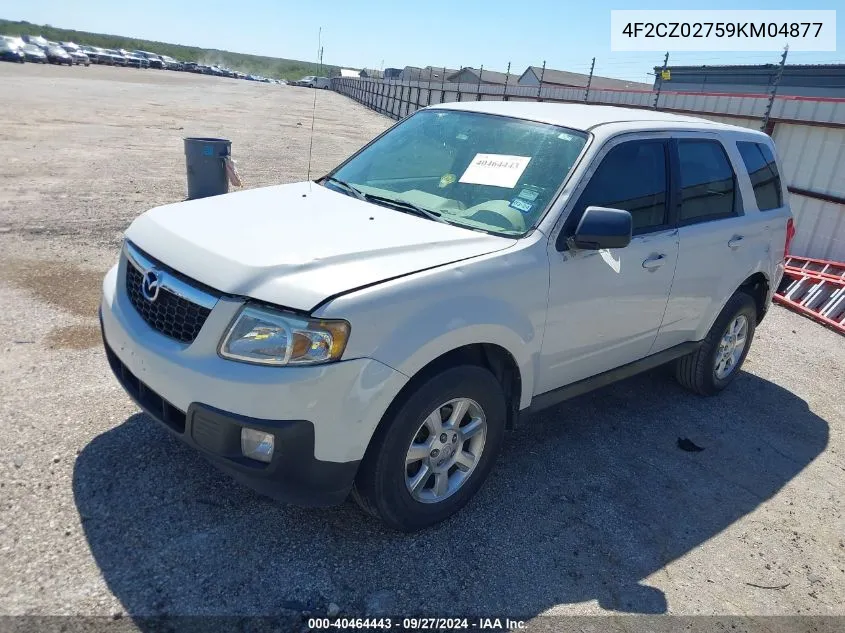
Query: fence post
[[764, 126], [589, 81], [540, 87], [660, 80], [402, 99]]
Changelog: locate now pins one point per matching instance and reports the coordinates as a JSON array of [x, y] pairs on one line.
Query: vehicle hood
[[297, 245]]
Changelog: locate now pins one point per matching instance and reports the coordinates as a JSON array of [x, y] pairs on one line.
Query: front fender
[[498, 299], [447, 325]]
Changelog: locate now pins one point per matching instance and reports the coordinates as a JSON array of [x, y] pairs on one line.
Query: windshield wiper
[[355, 192], [409, 206], [400, 204]]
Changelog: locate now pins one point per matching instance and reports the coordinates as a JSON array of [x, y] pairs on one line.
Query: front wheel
[[433, 452], [715, 364]]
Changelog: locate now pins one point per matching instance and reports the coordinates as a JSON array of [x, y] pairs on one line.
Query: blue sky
[[368, 33]]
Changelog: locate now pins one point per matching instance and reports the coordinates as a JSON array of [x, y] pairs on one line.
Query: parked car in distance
[[312, 81], [35, 39], [34, 54], [77, 55], [136, 61], [10, 53], [98, 55], [155, 60], [507, 257], [118, 59], [191, 67], [57, 55], [170, 63], [13, 40], [69, 46]]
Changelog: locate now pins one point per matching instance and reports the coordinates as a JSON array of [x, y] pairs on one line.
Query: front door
[[606, 307]]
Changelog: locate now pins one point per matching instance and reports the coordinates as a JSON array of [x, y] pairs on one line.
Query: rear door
[[605, 307], [722, 239]]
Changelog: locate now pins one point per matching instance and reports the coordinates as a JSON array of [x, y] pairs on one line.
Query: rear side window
[[708, 184], [631, 177], [763, 170]]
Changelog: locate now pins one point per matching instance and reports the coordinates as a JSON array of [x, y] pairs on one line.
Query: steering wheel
[[497, 213]]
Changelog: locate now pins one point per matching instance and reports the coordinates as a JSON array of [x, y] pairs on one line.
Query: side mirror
[[601, 228]]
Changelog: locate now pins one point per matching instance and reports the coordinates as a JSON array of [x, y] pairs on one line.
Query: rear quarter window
[[763, 171]]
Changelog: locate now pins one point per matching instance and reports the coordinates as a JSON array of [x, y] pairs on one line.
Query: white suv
[[377, 331]]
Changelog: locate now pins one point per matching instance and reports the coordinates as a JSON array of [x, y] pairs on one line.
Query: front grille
[[155, 405], [170, 314]]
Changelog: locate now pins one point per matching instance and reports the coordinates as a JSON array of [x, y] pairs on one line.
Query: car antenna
[[314, 107]]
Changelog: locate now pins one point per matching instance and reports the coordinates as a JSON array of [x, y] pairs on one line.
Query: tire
[[698, 371], [382, 485]]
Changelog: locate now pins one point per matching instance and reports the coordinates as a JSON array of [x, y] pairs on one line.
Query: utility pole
[[319, 48], [589, 80], [507, 78], [478, 87], [540, 87], [774, 90], [660, 80]]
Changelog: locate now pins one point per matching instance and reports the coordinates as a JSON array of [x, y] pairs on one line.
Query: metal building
[[800, 80], [566, 79]]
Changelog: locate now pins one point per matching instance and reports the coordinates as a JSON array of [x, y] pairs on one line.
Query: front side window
[[632, 176], [763, 170], [708, 185], [487, 172]]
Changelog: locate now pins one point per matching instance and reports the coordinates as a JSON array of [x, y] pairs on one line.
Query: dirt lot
[[593, 509]]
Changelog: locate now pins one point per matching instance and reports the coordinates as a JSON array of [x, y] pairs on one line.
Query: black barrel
[[205, 161]]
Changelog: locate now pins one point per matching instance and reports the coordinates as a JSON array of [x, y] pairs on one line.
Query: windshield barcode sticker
[[496, 170]]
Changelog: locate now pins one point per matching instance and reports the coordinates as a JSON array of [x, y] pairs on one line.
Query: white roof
[[581, 117]]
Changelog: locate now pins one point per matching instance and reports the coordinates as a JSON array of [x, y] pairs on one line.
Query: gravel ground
[[592, 509]]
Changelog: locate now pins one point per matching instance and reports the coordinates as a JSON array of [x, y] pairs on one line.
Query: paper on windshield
[[497, 170]]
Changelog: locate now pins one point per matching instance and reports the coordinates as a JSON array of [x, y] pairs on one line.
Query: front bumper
[[322, 416], [292, 475]]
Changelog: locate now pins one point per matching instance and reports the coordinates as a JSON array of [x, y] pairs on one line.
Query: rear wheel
[[715, 364], [434, 451]]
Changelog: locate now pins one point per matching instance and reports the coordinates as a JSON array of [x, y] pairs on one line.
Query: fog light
[[257, 444]]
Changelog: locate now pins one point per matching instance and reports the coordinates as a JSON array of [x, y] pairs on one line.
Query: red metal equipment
[[815, 288]]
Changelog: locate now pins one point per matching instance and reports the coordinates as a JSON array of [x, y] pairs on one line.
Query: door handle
[[735, 242], [654, 262]]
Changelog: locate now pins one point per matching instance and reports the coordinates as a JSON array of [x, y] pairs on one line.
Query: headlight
[[270, 337]]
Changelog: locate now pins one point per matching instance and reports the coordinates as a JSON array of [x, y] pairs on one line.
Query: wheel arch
[[758, 287], [491, 356]]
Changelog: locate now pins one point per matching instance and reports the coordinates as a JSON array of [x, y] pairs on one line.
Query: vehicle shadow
[[587, 501]]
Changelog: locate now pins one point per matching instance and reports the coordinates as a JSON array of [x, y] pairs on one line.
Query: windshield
[[481, 171]]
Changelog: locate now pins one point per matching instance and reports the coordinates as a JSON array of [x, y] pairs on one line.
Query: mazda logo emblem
[[150, 285]]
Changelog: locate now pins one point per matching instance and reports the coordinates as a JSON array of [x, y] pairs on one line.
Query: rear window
[[763, 171], [707, 181]]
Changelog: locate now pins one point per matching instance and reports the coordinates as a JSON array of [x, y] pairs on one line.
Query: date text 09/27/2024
[[416, 624]]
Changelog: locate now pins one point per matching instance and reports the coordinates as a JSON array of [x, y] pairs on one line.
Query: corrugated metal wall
[[809, 133], [813, 159]]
